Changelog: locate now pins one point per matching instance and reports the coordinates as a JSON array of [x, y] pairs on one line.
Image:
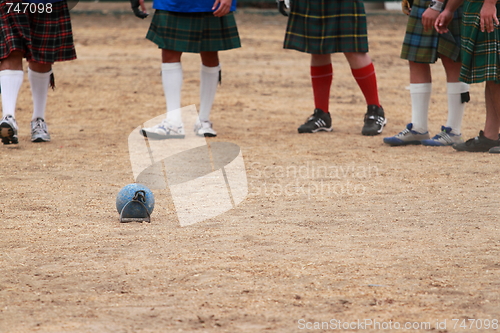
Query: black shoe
[[374, 120], [478, 144], [318, 121]]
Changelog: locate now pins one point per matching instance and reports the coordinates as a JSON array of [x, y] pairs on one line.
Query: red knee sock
[[367, 81], [321, 77]]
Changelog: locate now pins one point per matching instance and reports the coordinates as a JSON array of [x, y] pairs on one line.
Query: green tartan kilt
[[480, 50], [193, 32], [426, 46], [326, 26]]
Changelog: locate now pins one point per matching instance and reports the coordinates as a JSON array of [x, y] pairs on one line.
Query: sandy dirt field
[[404, 238]]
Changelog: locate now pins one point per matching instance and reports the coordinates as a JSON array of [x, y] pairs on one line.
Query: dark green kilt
[[326, 26], [480, 50], [193, 32], [424, 46]]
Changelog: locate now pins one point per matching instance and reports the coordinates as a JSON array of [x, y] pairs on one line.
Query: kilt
[[326, 26], [480, 50], [42, 37], [193, 32], [426, 46]]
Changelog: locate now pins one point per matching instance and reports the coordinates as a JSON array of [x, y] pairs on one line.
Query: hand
[[221, 7], [140, 13], [428, 18], [442, 21], [488, 17], [406, 7]]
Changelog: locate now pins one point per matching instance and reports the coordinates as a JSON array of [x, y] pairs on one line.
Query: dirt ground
[[389, 239]]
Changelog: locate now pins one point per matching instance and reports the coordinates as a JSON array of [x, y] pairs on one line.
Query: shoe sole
[[153, 136], [472, 151], [7, 134], [39, 139], [207, 135], [433, 144], [404, 143], [321, 129]]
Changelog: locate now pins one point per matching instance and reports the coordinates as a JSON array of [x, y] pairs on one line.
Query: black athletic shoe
[[318, 121], [479, 144], [374, 120]]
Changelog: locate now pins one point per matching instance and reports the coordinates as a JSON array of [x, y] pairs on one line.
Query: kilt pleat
[[424, 46], [480, 50], [325, 26], [42, 37], [193, 32]]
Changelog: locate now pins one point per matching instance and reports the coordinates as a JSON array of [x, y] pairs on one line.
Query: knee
[[13, 62]]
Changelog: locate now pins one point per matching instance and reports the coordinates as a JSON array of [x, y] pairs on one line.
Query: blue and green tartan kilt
[[193, 32], [480, 50], [326, 26], [43, 36], [426, 46]]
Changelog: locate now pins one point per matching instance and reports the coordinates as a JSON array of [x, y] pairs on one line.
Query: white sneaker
[[164, 130], [39, 132], [8, 130], [204, 128]]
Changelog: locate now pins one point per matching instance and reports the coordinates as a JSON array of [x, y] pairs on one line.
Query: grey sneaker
[[39, 132], [407, 137], [204, 128], [8, 130], [164, 130], [444, 138]]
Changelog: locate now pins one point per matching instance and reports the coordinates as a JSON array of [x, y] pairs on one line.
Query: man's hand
[[428, 18], [221, 7], [442, 21], [140, 13], [488, 17]]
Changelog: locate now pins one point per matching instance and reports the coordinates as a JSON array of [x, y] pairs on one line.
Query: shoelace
[[404, 132], [206, 124], [39, 127]]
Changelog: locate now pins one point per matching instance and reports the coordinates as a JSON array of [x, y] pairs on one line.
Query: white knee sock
[[420, 100], [455, 106], [208, 87], [172, 76], [40, 83], [10, 81]]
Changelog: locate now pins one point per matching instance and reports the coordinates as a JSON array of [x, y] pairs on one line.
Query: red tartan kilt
[[42, 37]]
